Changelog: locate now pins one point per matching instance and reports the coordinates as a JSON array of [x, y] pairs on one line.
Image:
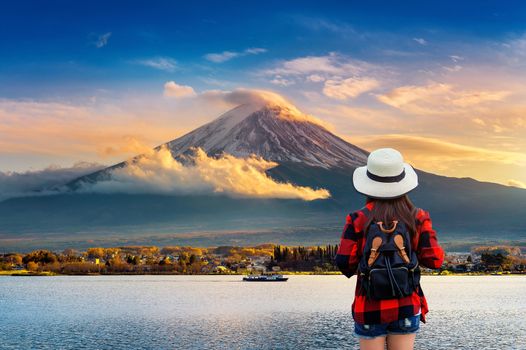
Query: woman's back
[[350, 251], [397, 303]]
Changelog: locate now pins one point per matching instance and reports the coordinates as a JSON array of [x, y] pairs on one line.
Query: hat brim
[[363, 184]]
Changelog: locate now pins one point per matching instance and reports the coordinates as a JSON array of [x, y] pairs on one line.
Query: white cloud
[[344, 77], [315, 78], [332, 64], [323, 24], [221, 57], [454, 68], [456, 58], [45, 181], [102, 40], [161, 63], [278, 80], [342, 89], [172, 89], [517, 46], [255, 50], [159, 172], [228, 55], [421, 41], [511, 55]]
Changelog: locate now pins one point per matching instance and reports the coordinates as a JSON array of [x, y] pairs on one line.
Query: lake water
[[221, 312]]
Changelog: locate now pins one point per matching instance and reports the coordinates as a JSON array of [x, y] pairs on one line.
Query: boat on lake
[[265, 278]]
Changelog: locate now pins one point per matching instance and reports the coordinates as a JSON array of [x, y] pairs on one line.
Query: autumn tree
[[40, 256], [95, 253], [133, 259], [15, 259], [32, 266]]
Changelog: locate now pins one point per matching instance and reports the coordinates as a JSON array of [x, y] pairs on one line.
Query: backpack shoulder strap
[[366, 211]]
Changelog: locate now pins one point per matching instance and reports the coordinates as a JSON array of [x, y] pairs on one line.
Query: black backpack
[[388, 267]]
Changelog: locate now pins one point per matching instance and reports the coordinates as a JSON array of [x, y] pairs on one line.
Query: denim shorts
[[404, 326]]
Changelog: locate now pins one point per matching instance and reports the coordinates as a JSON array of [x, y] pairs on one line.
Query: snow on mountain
[[274, 132]]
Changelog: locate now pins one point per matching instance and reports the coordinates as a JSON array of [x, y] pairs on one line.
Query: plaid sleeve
[[429, 252], [347, 256]]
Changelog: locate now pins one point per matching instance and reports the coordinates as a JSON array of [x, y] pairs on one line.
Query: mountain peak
[[275, 130], [283, 111], [249, 101]]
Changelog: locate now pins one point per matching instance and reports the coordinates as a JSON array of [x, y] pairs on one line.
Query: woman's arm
[[429, 252], [347, 257]]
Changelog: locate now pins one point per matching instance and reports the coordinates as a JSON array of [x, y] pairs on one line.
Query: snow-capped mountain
[[275, 132]]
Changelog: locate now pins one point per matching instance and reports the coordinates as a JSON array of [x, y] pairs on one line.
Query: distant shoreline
[[235, 260], [26, 273]]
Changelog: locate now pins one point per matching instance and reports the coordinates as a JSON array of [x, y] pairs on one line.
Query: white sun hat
[[385, 176]]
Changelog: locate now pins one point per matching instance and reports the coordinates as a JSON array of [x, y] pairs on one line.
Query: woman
[[385, 181]]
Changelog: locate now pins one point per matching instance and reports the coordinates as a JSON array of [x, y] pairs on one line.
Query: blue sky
[[50, 48], [441, 81]]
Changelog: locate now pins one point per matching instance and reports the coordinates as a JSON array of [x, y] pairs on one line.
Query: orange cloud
[[342, 89], [76, 132], [432, 149], [159, 172], [438, 98], [130, 145], [449, 158], [172, 89]]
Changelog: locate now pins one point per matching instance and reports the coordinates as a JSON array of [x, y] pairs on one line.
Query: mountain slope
[[464, 211], [308, 155]]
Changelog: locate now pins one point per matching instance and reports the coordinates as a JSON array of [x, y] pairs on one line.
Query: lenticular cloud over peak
[[257, 99]]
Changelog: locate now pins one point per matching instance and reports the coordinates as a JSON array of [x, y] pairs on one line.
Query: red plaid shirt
[[369, 311]]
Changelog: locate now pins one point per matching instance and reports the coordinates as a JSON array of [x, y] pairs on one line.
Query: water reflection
[[211, 312]]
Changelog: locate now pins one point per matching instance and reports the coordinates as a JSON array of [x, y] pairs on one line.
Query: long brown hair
[[387, 210]]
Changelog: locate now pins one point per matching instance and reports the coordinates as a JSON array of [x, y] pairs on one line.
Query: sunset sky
[[445, 83]]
